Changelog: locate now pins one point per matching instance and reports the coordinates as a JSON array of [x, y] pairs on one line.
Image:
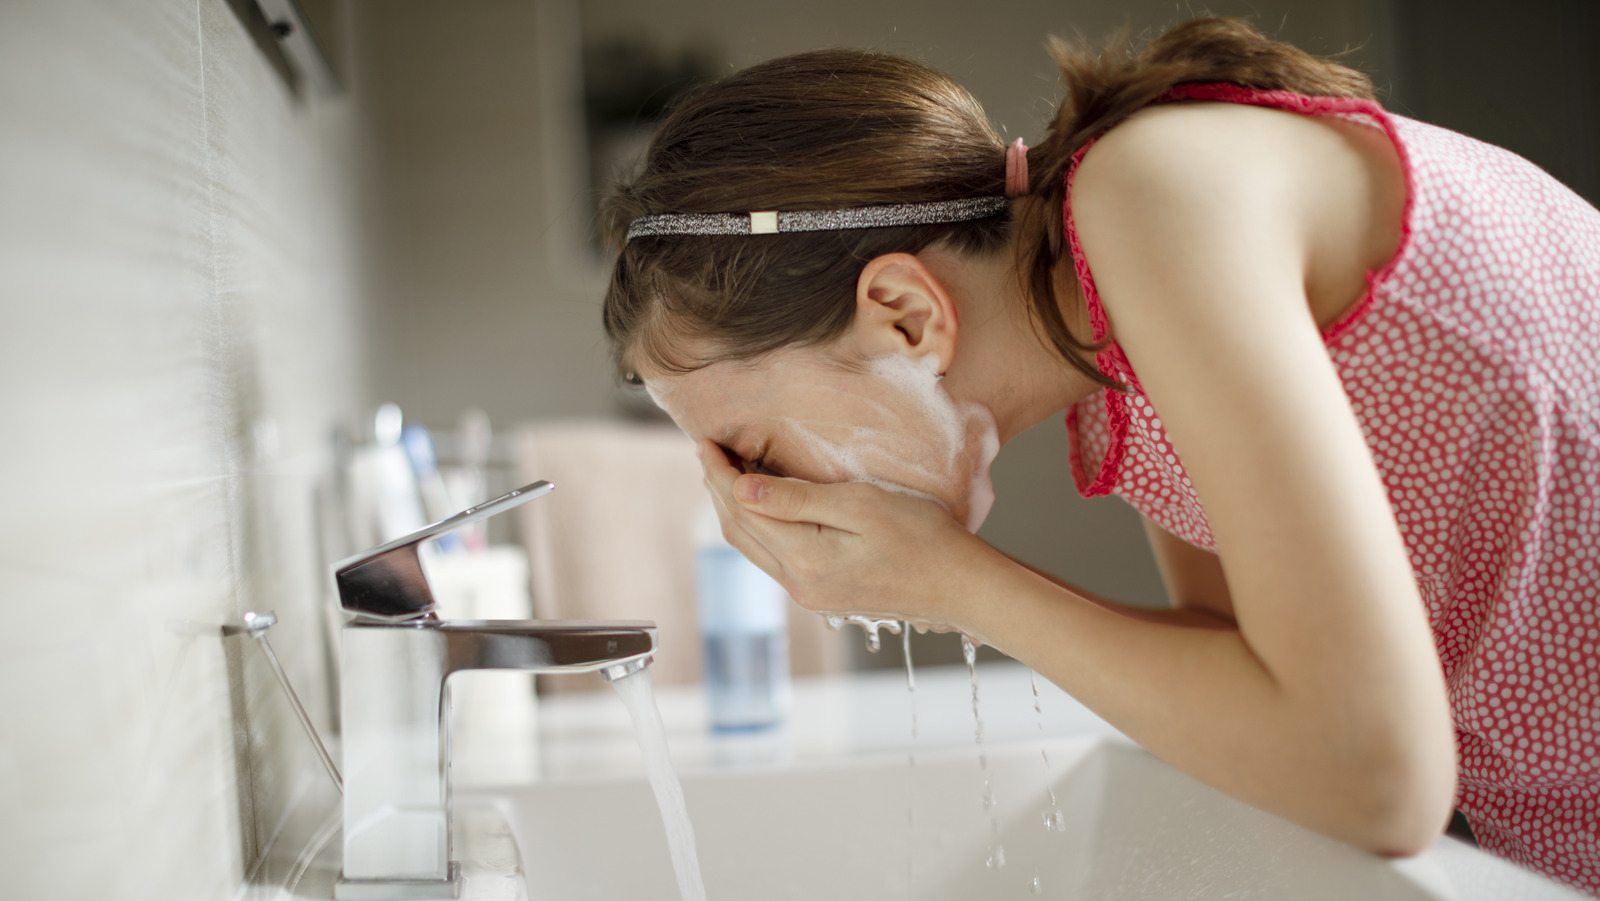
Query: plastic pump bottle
[[743, 620]]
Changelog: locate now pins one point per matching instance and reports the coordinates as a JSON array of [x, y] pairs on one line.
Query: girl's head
[[740, 337], [736, 335], [827, 130]]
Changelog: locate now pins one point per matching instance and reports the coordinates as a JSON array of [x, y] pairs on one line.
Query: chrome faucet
[[394, 699]]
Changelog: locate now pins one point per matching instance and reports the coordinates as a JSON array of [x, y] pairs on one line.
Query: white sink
[[822, 811], [1135, 829]]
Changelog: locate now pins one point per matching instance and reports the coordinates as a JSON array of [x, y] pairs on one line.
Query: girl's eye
[[745, 466], [762, 466]]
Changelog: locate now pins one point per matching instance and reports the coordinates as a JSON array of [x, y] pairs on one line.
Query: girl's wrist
[[971, 582]]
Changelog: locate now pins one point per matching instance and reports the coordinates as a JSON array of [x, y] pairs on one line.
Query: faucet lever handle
[[386, 583]]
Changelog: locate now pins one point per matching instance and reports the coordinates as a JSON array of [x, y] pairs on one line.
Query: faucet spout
[[547, 646], [394, 699]]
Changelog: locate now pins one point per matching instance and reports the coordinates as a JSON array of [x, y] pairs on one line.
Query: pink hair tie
[[1017, 169]]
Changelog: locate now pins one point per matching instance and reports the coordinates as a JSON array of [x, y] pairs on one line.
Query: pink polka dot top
[[1473, 365]]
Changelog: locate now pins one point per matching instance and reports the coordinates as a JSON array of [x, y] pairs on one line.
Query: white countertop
[[587, 735]]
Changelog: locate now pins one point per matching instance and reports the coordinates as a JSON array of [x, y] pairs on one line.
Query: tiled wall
[[184, 304]]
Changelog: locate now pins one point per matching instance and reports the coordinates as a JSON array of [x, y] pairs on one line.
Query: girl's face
[[801, 414]]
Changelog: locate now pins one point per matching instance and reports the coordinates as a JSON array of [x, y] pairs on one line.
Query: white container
[[494, 713]]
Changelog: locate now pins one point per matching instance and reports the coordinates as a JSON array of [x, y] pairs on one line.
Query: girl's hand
[[844, 548]]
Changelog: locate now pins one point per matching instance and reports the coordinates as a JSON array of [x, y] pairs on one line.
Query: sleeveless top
[[1473, 364]]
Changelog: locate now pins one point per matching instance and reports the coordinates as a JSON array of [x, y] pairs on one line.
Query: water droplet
[[1035, 887], [1055, 821], [911, 677], [997, 858]]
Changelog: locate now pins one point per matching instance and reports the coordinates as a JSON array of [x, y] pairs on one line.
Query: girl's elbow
[[1404, 806]]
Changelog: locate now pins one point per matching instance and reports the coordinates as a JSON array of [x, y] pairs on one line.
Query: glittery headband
[[769, 222]]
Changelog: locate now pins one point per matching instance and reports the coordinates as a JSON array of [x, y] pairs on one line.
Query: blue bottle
[[744, 623]]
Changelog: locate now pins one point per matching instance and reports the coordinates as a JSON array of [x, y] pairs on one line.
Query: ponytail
[[1108, 83]]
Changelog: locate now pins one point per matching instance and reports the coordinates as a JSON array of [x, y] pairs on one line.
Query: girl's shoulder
[[1201, 148], [1329, 190]]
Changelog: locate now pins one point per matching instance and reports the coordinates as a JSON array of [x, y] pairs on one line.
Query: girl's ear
[[902, 308]]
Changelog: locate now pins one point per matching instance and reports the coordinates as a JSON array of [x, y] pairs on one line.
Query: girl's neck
[[1002, 362]]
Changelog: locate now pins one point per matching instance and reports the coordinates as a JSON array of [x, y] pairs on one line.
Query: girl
[[1346, 364]]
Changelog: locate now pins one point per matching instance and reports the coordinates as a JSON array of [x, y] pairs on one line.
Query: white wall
[[184, 318]]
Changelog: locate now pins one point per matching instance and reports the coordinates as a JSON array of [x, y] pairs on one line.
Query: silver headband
[[768, 222]]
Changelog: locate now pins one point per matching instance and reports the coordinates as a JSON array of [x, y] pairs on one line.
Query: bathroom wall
[[1525, 76], [489, 297], [186, 298]]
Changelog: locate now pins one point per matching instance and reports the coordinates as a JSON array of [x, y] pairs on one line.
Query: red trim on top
[[1105, 361], [1112, 361]]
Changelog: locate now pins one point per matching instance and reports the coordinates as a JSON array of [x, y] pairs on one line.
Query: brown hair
[[835, 129]]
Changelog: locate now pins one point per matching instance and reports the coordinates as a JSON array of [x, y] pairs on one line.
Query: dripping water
[[1054, 820], [868, 624], [911, 763], [997, 851]]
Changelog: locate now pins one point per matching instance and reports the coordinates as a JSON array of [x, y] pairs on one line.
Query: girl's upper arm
[[1199, 224], [1193, 576]]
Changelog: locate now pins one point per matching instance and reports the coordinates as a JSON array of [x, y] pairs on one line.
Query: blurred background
[[219, 257]]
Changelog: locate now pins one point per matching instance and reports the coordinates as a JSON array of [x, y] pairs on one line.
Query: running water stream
[[997, 851], [637, 695]]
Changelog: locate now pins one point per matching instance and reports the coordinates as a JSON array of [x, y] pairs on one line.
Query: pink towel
[[615, 540]]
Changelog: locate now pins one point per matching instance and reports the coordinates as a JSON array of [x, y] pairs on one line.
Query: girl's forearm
[[1188, 687], [1170, 616]]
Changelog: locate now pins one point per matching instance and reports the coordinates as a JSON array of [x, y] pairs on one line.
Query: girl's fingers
[[742, 539], [784, 499], [736, 523], [788, 500]]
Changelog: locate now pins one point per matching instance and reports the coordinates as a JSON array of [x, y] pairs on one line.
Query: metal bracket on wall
[[298, 38], [256, 625]]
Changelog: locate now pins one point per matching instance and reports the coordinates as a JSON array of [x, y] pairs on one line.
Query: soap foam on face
[[958, 434], [935, 441]]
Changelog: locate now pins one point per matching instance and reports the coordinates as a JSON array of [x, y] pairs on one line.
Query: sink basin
[[879, 828]]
